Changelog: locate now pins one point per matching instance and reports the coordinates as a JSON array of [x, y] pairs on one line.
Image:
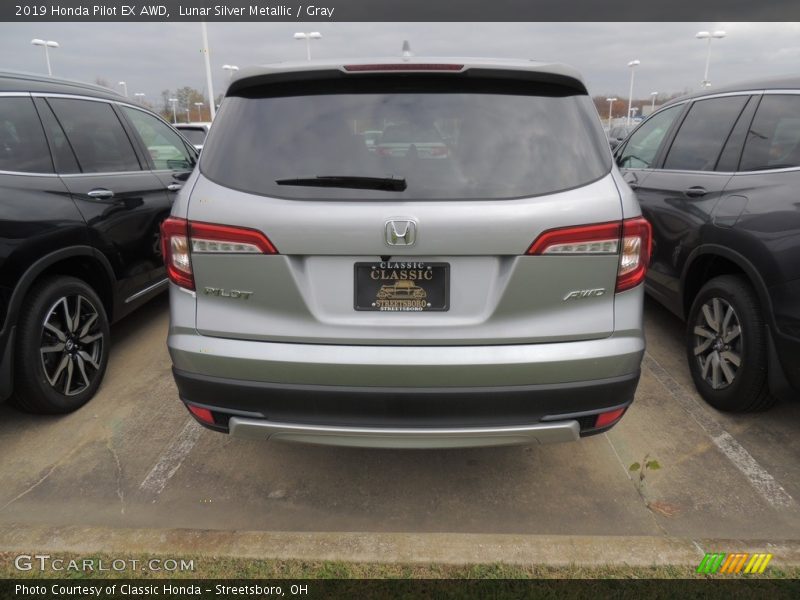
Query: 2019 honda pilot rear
[[521, 250]]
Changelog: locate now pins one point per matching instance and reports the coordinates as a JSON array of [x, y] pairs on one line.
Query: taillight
[[175, 251], [631, 239], [602, 238], [181, 238], [208, 238], [637, 238]]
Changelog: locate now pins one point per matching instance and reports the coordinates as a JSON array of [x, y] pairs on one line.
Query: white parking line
[[170, 461], [759, 478]]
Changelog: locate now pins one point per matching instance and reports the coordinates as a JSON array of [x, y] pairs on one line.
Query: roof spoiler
[[425, 69]]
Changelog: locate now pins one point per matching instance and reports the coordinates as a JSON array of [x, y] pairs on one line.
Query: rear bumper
[[407, 417], [467, 437]]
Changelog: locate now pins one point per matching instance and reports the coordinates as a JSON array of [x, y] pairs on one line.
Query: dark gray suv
[[476, 281], [717, 175]]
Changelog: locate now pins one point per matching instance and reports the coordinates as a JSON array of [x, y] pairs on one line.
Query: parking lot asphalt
[[133, 458]]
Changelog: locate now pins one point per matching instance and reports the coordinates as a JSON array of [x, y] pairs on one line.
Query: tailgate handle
[[696, 192]]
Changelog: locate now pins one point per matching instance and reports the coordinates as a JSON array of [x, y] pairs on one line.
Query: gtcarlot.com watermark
[[48, 563]]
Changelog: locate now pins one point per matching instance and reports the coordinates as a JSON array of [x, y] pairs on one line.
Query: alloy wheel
[[718, 343], [72, 344]]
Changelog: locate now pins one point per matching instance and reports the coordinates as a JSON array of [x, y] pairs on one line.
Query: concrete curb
[[409, 548]]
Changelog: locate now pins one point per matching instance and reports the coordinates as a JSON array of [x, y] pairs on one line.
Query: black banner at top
[[400, 10]]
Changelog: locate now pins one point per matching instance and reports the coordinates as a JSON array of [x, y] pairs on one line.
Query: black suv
[[85, 180], [718, 177]]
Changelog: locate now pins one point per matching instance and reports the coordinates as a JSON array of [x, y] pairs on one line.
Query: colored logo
[[734, 564]]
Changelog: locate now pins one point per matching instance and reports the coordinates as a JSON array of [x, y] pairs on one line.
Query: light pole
[[632, 65], [708, 35], [140, 96], [46, 44], [634, 110], [314, 35], [198, 105], [174, 101], [231, 69], [209, 83], [187, 114], [653, 103], [124, 87], [610, 104]]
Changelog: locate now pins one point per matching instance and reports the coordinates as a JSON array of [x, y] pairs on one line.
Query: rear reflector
[[609, 418], [203, 414], [403, 67], [181, 238], [631, 239]]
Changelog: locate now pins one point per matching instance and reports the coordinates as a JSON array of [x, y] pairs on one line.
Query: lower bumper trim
[[379, 437]]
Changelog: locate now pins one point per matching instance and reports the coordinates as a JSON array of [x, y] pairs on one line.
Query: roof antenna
[[406, 50]]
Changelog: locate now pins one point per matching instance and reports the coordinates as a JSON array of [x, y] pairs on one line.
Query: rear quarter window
[[23, 147], [448, 138], [773, 141], [703, 133]]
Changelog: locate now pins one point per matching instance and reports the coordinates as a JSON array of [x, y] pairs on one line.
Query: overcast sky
[[152, 57]]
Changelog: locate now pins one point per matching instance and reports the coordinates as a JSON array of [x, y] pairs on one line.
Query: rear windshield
[[456, 138], [196, 135]]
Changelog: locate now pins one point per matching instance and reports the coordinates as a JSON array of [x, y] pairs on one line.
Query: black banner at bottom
[[113, 589]]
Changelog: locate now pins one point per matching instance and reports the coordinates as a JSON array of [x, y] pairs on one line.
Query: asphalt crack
[[32, 487]]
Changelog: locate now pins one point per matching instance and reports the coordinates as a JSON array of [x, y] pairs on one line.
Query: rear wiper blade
[[387, 184]]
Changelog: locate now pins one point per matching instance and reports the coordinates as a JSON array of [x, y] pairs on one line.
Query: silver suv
[[479, 284]]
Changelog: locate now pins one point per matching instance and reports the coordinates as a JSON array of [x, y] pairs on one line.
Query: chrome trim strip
[[760, 171], [78, 97], [146, 290], [28, 174], [372, 437], [15, 94], [103, 174], [687, 172], [724, 94]]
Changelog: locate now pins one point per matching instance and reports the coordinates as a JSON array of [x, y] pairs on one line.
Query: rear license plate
[[398, 286]]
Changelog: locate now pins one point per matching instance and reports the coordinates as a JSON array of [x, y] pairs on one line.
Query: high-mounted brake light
[[403, 67], [181, 238], [631, 239]]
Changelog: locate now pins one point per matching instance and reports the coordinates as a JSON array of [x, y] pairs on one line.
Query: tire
[[725, 325], [59, 365]]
